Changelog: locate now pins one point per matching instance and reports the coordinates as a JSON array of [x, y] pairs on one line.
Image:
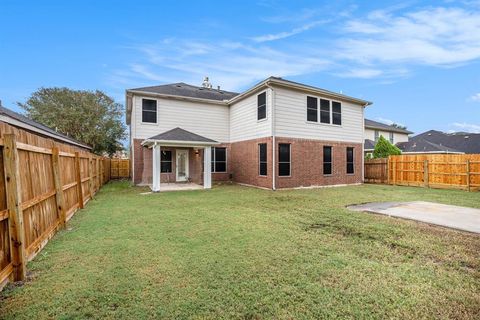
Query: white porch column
[[207, 168], [156, 168]]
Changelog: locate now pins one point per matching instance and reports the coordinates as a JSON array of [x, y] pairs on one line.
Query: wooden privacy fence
[[376, 170], [120, 168], [42, 184], [452, 171]]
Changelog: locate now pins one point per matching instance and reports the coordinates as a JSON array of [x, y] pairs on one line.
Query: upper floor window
[[166, 161], [377, 135], [336, 112], [262, 159], [284, 159], [312, 109], [262, 106], [391, 137], [219, 159], [324, 111], [350, 164], [149, 111], [327, 160]]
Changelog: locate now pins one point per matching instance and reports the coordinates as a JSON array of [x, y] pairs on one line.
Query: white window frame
[[260, 159], [289, 157], [391, 137], [330, 111], [266, 106], [353, 161], [156, 112]]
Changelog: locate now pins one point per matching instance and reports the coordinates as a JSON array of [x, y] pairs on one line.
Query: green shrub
[[384, 148]]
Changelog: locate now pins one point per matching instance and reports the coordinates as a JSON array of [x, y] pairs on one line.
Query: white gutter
[[173, 143], [171, 96]]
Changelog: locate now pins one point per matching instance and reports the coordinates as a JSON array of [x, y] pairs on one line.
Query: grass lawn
[[238, 252]]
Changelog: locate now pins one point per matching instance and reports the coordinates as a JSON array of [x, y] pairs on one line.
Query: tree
[[399, 126], [384, 148], [91, 117]]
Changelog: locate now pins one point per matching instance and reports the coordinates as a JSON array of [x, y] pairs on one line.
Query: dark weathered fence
[[42, 184]]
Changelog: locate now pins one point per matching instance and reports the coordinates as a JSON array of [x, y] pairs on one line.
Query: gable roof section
[[186, 90], [382, 126], [194, 93], [18, 120], [461, 141], [179, 135]]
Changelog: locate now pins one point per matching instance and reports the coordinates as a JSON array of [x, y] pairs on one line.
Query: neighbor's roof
[[186, 90], [369, 144], [180, 135], [421, 145], [16, 119], [382, 126], [461, 141]]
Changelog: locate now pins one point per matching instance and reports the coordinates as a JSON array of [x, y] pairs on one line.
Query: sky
[[417, 61]]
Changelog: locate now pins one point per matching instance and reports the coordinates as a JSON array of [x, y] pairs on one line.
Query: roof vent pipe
[[206, 84]]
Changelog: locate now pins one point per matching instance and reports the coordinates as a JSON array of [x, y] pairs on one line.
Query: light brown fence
[[120, 168], [452, 171], [376, 170], [42, 184]]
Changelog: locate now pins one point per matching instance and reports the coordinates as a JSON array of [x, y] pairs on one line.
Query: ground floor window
[[350, 166], [262, 159], [219, 159], [284, 159], [327, 160], [166, 161]]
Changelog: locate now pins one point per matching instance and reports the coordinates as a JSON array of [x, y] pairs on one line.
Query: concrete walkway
[[461, 218]]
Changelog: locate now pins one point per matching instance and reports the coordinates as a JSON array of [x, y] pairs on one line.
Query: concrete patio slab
[[456, 217]]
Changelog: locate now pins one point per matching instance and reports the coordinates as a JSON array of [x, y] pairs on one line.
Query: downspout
[[363, 143], [274, 173]]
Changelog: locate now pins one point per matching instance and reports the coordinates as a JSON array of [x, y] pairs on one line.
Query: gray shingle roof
[[21, 118], [461, 141], [382, 126], [422, 145], [369, 144], [186, 90], [179, 134]]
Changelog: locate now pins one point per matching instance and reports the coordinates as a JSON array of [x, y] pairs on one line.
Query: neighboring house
[[17, 120], [374, 129], [277, 134], [439, 142]]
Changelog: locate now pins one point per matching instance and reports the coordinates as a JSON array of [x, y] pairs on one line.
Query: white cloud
[[388, 121], [435, 36], [475, 97], [361, 73], [468, 127], [286, 34]]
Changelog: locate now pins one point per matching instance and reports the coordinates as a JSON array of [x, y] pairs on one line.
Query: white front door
[[182, 165]]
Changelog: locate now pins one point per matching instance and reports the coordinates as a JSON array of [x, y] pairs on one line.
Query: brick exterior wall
[[306, 163], [243, 164]]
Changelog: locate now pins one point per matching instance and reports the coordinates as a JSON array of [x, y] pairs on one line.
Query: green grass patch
[[238, 252]]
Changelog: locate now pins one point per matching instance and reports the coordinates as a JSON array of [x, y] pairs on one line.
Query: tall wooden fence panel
[[376, 170], [120, 168], [42, 184], [453, 171]]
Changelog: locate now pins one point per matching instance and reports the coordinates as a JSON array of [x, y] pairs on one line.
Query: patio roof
[[179, 137]]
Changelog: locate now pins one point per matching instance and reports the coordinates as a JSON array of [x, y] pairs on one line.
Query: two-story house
[[277, 134], [374, 130]]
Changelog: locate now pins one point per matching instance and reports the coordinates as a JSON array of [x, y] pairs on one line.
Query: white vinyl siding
[[290, 119], [208, 120], [243, 119], [397, 137]]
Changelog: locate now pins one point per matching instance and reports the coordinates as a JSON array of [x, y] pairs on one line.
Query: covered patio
[[177, 160]]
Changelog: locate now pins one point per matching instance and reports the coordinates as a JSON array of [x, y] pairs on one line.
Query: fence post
[[468, 174], [394, 175], [97, 170], [15, 213], [90, 173], [57, 180], [78, 176], [425, 173]]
